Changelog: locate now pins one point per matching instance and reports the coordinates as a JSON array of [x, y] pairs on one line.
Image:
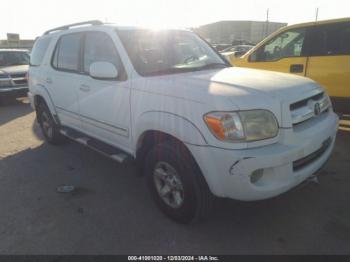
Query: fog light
[[256, 176]]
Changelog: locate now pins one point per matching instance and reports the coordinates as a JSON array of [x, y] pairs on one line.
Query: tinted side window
[[67, 52], [331, 40], [39, 50], [286, 44], [99, 47]]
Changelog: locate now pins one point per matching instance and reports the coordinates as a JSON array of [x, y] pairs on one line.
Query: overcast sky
[[31, 18]]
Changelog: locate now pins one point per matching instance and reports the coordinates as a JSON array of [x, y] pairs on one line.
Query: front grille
[[19, 75], [13, 80], [19, 79], [304, 102], [308, 108], [20, 82], [304, 162]]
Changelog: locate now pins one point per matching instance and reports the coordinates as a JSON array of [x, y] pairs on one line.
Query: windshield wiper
[[173, 70], [177, 70], [214, 65]]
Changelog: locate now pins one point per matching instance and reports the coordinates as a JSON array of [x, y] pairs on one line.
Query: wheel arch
[[156, 126], [42, 96], [172, 124], [150, 138]]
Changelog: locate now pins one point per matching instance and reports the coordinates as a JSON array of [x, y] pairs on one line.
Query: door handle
[[297, 68], [49, 80], [85, 88]]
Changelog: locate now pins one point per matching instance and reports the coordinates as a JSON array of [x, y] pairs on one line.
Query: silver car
[[14, 64]]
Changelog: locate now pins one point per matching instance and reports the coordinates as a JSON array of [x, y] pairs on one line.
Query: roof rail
[[66, 27]]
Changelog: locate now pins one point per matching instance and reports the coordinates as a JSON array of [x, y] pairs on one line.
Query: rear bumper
[[230, 173]]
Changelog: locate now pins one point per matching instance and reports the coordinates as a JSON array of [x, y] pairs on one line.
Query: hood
[[14, 69], [234, 88], [244, 81], [234, 83]]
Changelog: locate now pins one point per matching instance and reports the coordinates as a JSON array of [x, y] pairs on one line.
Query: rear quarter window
[[331, 40], [39, 51], [67, 52]]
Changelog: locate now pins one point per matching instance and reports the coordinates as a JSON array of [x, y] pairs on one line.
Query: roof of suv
[[96, 23]]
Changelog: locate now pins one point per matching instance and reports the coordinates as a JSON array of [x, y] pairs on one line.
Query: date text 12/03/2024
[[173, 258]]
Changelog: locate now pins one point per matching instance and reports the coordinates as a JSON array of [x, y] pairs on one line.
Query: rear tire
[[49, 128], [176, 183]]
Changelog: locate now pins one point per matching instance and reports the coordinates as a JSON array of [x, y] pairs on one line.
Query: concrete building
[[14, 41], [225, 32]]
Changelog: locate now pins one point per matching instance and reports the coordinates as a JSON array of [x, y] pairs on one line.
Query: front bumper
[[14, 90], [229, 172]]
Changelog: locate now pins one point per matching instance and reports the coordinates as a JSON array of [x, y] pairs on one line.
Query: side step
[[97, 145]]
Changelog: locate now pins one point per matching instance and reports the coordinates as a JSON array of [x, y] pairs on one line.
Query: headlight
[[243, 126]]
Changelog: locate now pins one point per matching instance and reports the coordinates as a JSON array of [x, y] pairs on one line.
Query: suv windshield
[[168, 52], [8, 58]]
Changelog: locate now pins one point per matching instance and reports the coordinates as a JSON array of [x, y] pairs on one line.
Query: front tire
[[176, 183], [49, 128]]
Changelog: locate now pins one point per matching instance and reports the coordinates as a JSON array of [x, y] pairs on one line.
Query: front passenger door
[[104, 104], [284, 53]]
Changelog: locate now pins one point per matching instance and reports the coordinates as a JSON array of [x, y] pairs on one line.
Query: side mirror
[[103, 70]]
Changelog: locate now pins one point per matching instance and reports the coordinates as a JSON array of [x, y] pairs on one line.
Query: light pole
[[267, 21]]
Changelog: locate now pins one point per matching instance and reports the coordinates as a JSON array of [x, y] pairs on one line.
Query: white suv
[[197, 127]]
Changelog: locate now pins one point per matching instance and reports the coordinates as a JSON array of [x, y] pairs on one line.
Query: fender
[[42, 91], [170, 123]]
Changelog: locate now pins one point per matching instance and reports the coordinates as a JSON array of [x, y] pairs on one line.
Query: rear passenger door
[[329, 62], [63, 79], [104, 104], [284, 53]]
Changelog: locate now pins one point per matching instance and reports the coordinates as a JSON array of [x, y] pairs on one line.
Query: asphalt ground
[[111, 211]]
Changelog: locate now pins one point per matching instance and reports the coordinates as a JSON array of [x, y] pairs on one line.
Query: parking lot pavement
[[111, 211]]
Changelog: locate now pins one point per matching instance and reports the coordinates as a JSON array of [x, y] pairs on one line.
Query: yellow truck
[[318, 50]]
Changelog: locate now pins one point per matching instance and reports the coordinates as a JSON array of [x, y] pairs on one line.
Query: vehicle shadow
[[36, 130], [12, 108]]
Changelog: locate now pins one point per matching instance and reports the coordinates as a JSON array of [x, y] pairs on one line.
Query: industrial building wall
[[225, 32], [21, 44]]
